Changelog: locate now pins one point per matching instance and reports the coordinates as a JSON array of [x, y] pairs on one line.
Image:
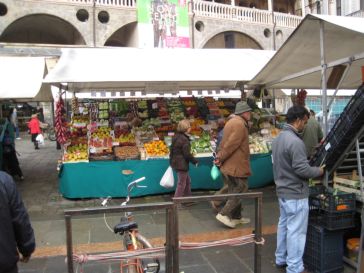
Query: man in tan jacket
[[234, 160]]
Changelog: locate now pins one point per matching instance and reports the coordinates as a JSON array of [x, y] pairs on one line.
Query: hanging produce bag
[[167, 180], [215, 172]]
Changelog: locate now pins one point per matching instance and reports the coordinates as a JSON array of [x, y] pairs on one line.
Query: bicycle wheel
[[52, 134], [149, 265]]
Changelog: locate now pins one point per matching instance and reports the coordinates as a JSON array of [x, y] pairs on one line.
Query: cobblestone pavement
[[197, 223]]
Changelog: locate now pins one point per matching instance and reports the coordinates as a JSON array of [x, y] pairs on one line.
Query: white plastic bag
[[40, 139], [167, 180]]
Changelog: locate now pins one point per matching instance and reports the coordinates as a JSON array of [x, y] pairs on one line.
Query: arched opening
[[123, 37], [232, 39], [42, 29]]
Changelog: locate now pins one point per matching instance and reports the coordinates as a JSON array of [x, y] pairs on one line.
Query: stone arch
[[122, 37], [42, 28], [255, 44]]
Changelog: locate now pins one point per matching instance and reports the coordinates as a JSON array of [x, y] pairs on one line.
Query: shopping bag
[[215, 172], [40, 139], [167, 180]]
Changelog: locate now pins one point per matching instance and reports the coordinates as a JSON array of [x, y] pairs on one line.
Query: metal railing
[[168, 206], [172, 230]]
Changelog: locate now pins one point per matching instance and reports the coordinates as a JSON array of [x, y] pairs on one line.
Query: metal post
[[360, 173], [175, 240], [323, 79], [169, 240], [258, 235], [69, 243]]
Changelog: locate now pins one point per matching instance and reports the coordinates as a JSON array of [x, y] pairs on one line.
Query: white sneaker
[[226, 220], [18, 138], [242, 221]]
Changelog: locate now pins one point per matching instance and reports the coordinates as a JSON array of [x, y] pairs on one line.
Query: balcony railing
[[110, 3], [258, 16], [207, 9], [359, 13]]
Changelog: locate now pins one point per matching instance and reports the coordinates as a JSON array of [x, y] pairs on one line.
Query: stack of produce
[[75, 105], [195, 126], [201, 144], [142, 109], [213, 107], [76, 153], [201, 104], [162, 107], [103, 108], [127, 139], [126, 152], [176, 110], [118, 108], [144, 135], [156, 148], [258, 145], [101, 141], [191, 107], [94, 111], [60, 122], [152, 122]]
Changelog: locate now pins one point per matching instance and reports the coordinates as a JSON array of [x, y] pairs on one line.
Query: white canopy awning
[[156, 70], [297, 64], [21, 79]]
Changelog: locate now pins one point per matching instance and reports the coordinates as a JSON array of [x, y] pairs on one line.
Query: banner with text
[[163, 23]]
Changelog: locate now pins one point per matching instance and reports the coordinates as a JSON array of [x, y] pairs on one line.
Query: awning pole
[[324, 90], [323, 79]]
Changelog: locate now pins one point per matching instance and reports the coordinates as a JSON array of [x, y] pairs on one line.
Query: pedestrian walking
[[34, 127], [10, 159], [233, 158], [180, 156], [16, 233], [291, 173]]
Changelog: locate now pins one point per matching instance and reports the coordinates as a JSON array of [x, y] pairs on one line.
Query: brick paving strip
[[104, 247]]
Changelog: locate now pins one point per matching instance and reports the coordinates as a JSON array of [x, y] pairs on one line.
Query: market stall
[[103, 149], [327, 52]]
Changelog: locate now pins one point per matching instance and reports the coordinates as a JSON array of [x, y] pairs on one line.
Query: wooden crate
[[349, 183]]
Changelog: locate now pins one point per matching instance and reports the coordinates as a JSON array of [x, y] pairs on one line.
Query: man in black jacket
[[17, 240]]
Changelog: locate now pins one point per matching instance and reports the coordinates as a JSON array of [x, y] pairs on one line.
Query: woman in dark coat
[[180, 157]]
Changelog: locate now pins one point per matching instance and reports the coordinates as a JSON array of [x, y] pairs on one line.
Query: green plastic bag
[[215, 172]]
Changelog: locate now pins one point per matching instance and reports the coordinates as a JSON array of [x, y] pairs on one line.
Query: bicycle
[[132, 239], [48, 131]]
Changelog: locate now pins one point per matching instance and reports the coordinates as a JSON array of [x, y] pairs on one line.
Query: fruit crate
[[332, 220], [323, 250], [333, 201]]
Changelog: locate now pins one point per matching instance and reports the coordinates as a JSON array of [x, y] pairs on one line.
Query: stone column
[[303, 7], [270, 5]]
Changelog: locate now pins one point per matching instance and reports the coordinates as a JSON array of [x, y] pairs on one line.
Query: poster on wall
[[163, 23]]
